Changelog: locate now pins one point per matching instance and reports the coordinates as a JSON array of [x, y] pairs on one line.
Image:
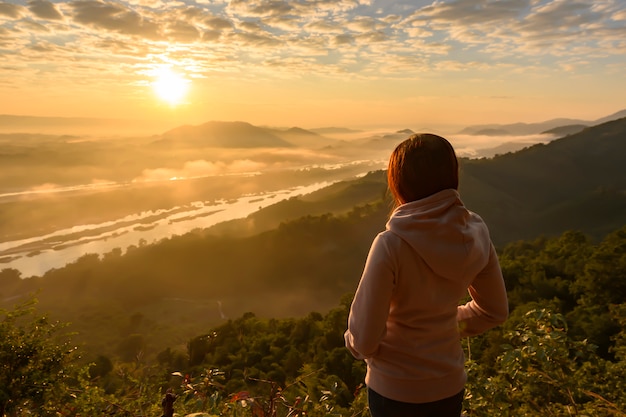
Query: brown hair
[[422, 165]]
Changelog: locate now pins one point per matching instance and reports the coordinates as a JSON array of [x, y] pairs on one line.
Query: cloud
[[121, 47], [330, 38], [619, 15], [211, 35], [558, 17], [300, 8], [44, 10], [518, 30], [470, 12], [114, 17], [260, 39], [34, 26], [46, 48], [182, 31], [262, 8], [218, 23], [364, 24], [13, 11], [285, 23], [324, 26], [371, 37], [344, 39]]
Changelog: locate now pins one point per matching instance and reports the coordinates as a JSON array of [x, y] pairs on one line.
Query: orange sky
[[314, 63]]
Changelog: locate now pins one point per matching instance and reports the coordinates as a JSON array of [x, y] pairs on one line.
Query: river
[[36, 256]]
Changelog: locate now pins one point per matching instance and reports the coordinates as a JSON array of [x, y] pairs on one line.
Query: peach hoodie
[[405, 319]]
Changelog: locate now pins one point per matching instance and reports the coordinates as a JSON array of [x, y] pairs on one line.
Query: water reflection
[[35, 256]]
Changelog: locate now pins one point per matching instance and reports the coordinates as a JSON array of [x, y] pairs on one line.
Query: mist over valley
[[187, 234], [64, 196]]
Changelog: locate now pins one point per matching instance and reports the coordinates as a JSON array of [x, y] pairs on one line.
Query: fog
[[64, 196], [202, 168], [483, 146]]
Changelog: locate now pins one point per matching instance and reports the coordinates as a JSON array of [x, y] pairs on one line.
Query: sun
[[170, 86]]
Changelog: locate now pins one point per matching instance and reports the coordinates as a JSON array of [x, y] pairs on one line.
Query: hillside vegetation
[[561, 353], [258, 306], [305, 253], [577, 182]]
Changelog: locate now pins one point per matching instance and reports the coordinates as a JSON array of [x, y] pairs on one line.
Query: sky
[[314, 63]]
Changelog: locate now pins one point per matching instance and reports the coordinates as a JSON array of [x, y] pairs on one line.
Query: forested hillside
[[561, 353], [561, 349], [257, 298], [305, 253], [576, 182]]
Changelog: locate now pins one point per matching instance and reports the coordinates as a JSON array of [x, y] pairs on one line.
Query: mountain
[[304, 138], [244, 135], [386, 141], [334, 130], [572, 183], [575, 182], [521, 129], [222, 135], [304, 254], [492, 132], [518, 129], [618, 115], [404, 133], [503, 148], [565, 130]]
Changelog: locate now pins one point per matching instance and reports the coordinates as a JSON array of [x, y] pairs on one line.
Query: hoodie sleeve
[[370, 307], [489, 306]]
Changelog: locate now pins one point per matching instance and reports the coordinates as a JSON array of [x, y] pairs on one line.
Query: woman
[[405, 320]]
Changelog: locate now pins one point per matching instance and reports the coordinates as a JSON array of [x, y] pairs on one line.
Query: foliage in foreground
[[543, 371], [561, 353], [540, 371], [32, 365]]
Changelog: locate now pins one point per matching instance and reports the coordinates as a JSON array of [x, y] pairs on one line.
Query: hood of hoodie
[[453, 241]]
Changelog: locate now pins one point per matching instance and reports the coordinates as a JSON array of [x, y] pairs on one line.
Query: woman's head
[[422, 165]]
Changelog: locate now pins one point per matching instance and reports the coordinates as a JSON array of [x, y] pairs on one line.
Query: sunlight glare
[[170, 86]]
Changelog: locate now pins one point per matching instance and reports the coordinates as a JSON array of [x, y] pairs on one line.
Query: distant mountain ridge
[[242, 135], [565, 130], [575, 182], [520, 129], [334, 130], [210, 131], [245, 135], [223, 135], [572, 183], [303, 137]]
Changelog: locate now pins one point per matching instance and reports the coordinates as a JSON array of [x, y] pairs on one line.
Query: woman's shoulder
[[390, 239]]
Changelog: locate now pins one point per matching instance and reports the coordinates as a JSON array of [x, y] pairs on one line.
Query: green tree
[[604, 278], [542, 371], [132, 347], [601, 284], [9, 280], [35, 360]]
